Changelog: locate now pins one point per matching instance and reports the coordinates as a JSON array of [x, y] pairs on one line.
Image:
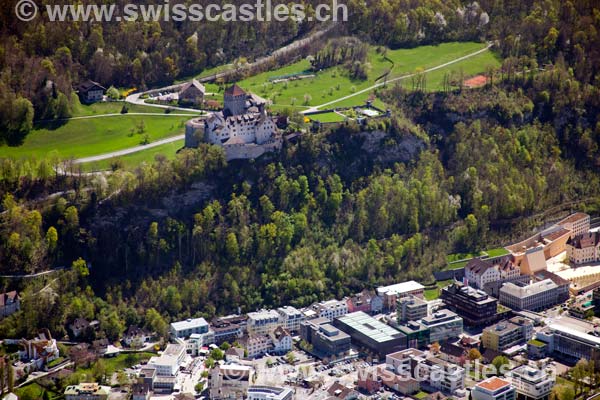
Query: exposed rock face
[[389, 152]]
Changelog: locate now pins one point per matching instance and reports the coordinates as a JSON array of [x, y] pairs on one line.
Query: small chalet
[[192, 92], [91, 92]]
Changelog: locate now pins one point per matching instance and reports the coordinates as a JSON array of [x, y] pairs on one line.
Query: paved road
[[370, 88], [129, 150]]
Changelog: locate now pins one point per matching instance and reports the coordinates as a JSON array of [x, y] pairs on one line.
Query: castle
[[243, 128]]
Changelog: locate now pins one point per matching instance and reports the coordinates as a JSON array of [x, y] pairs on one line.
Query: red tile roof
[[235, 90], [493, 384]]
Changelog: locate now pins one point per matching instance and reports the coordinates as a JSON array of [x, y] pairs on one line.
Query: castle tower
[[235, 100]]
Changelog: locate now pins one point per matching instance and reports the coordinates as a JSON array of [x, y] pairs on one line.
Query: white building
[[290, 318], [197, 341], [584, 248], [532, 382], [493, 389], [183, 329], [330, 309], [390, 293], [168, 363], [262, 322], [478, 272], [278, 342], [269, 393], [442, 325], [536, 296], [578, 223], [230, 381]]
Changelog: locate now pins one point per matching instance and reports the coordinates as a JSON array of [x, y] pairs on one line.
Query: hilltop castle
[[243, 128]]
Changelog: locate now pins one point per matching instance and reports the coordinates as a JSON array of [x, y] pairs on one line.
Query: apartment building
[[410, 308], [262, 322], [443, 325], [229, 328], [532, 383], [506, 334], [536, 296], [290, 318], [493, 389], [475, 307], [330, 309]]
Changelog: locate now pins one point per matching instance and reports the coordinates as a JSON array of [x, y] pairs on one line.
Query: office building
[[570, 342], [475, 307], [536, 296], [370, 333], [269, 393], [325, 339], [493, 389], [183, 329], [506, 334], [391, 293], [168, 363], [443, 325], [532, 383], [410, 308], [417, 334]]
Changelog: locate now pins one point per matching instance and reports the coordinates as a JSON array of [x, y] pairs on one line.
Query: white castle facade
[[243, 128]]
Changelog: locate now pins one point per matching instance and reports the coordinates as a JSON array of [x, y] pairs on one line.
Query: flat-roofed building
[[330, 309], [443, 325], [417, 334], [570, 343], [326, 340], [262, 322], [506, 334], [168, 363], [493, 388], [269, 393], [531, 254], [290, 318], [229, 328], [578, 223], [474, 306], [87, 391], [532, 383], [410, 308], [370, 333], [184, 329], [391, 293], [536, 296]]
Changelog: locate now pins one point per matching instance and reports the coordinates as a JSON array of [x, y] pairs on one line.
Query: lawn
[[84, 110], [35, 391], [132, 160], [500, 251], [119, 362], [88, 137], [328, 117], [420, 395], [333, 83], [432, 294]]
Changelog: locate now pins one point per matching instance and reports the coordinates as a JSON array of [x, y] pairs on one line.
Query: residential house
[[281, 341], [234, 355], [40, 350], [91, 92], [341, 392], [452, 353], [136, 337], [10, 303]]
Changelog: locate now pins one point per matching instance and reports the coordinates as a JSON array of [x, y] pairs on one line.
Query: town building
[[410, 308], [229, 381], [87, 391], [532, 383], [243, 128], [91, 92], [262, 322], [183, 329], [570, 342], [475, 306], [506, 334], [403, 384], [277, 342], [10, 303], [578, 223], [168, 363], [417, 334], [443, 325], [290, 318], [452, 353], [582, 309], [536, 296], [136, 337], [390, 293], [479, 272], [234, 355], [370, 333], [325, 339], [192, 93], [337, 391], [584, 248], [330, 309], [365, 301], [229, 328], [82, 327], [141, 391], [493, 388], [40, 350], [269, 393], [197, 341]]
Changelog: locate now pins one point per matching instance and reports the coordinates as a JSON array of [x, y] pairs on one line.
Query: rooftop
[[439, 317], [370, 327], [493, 384], [400, 288], [189, 323], [528, 290], [573, 218]]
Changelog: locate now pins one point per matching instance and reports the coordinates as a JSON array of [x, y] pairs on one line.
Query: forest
[[336, 211]]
